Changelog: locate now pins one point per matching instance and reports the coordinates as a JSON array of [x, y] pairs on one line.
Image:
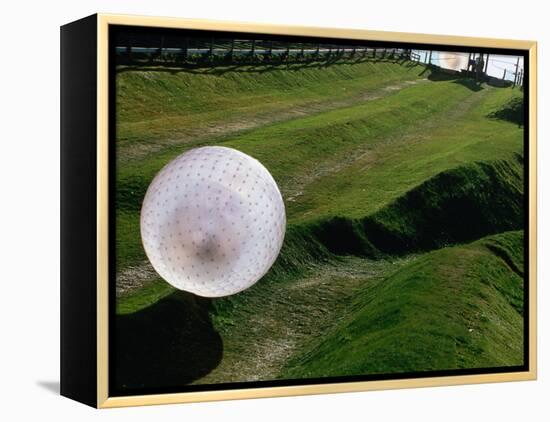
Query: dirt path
[[369, 153], [282, 319], [129, 151], [134, 277]]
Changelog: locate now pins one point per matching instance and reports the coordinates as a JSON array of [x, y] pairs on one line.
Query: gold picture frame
[[101, 218]]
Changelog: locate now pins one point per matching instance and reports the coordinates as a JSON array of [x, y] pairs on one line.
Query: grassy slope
[[458, 205], [451, 134], [352, 160], [140, 91], [309, 288], [161, 103], [360, 161], [413, 321]]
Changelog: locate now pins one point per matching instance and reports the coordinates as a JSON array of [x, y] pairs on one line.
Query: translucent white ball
[[213, 221]]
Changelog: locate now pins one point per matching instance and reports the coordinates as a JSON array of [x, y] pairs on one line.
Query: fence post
[[161, 47], [185, 49], [211, 52], [516, 72]]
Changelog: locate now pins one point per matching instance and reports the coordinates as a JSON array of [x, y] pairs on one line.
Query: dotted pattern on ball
[[213, 221]]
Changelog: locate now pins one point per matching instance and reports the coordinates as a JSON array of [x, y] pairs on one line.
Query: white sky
[[457, 61]]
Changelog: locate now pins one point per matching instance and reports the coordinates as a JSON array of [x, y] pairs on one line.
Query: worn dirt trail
[[211, 132], [283, 319]]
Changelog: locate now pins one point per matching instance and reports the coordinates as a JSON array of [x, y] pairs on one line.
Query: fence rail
[[250, 51]]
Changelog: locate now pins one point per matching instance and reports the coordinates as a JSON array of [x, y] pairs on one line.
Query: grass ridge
[[412, 321]]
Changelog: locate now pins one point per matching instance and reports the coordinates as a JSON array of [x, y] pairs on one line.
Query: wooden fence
[[235, 51]]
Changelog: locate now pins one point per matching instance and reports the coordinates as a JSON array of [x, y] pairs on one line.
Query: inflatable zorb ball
[[213, 221]]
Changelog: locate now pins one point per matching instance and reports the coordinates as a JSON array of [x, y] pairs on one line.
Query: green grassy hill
[[161, 103], [382, 166], [457, 307]]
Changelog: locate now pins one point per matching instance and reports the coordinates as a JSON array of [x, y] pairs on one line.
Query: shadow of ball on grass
[[169, 344]]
